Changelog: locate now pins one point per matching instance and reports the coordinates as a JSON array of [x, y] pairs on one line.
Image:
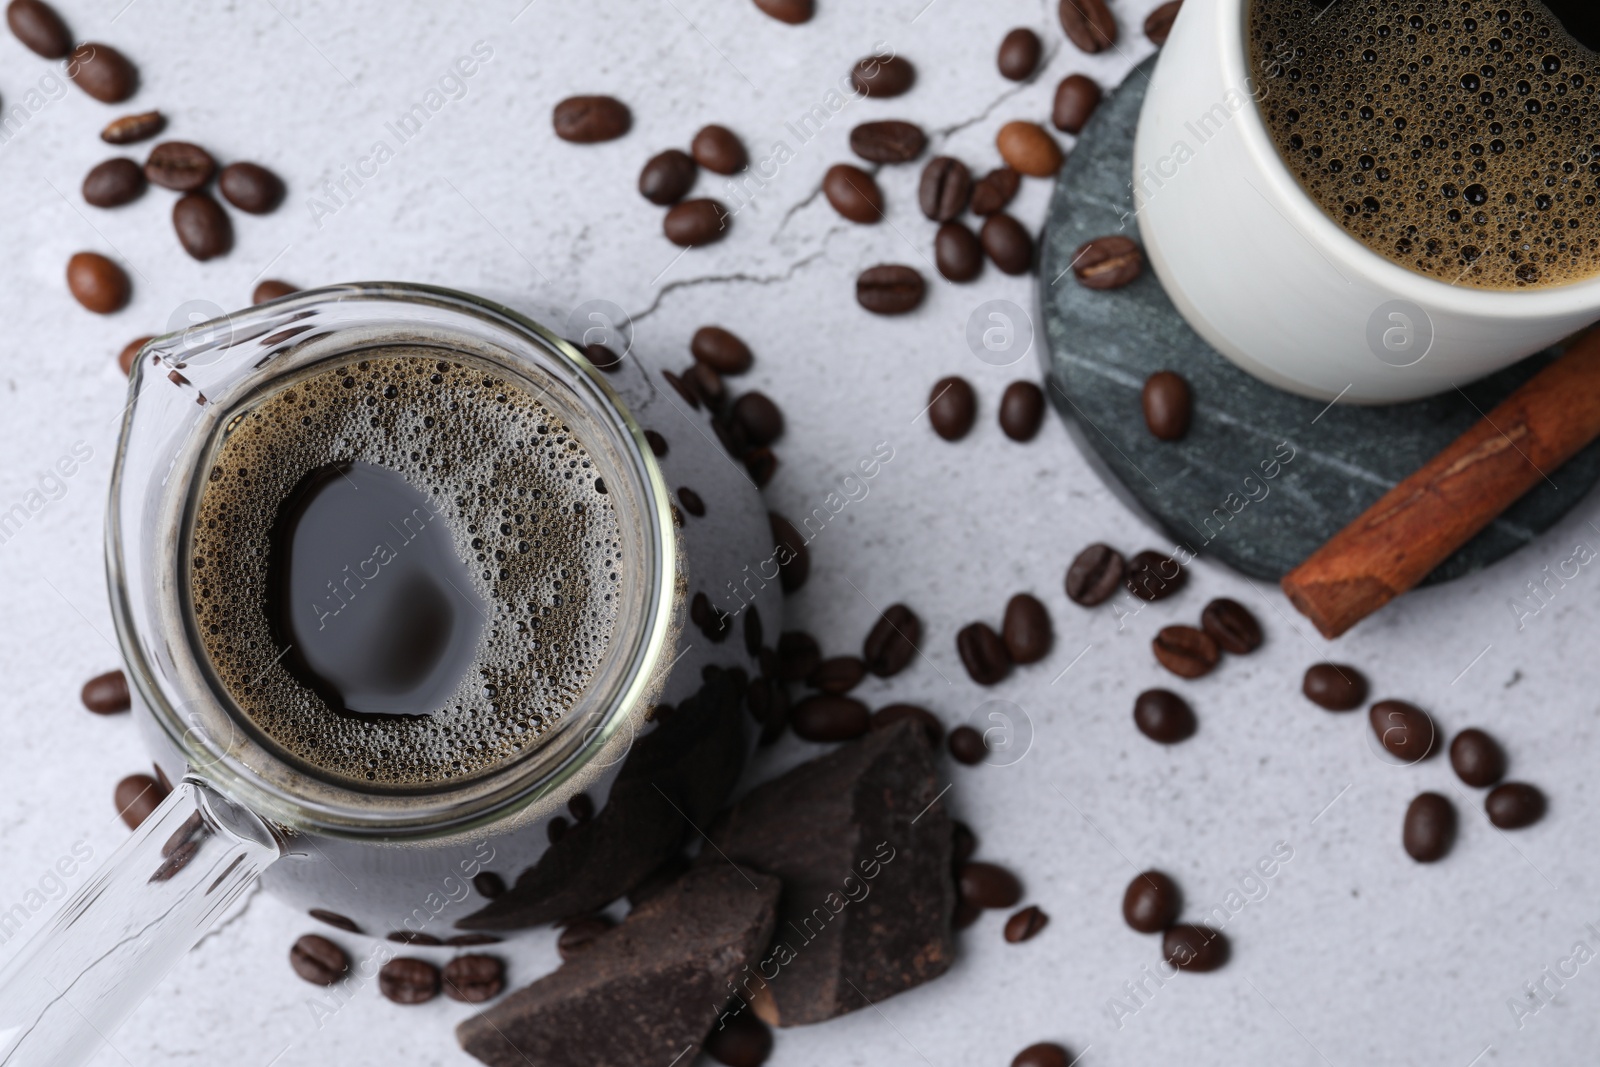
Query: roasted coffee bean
[[1334, 686], [963, 843], [1151, 902], [1026, 629], [658, 444], [1430, 828], [888, 141], [1167, 405], [102, 72], [1477, 759], [768, 701], [97, 283], [837, 675], [1151, 575], [1019, 54], [113, 183], [721, 350], [1107, 263], [1514, 805], [1088, 24], [890, 289], [1186, 651], [1008, 243], [794, 558], [693, 223], [107, 694], [464, 940], [416, 937], [1231, 625], [798, 655], [1076, 98], [1158, 24], [719, 150], [752, 632], [968, 746], [945, 188], [793, 12], [892, 641], [408, 980], [952, 408], [715, 623], [318, 960], [1163, 716], [988, 886], [829, 718], [853, 193], [39, 28], [1043, 1054], [131, 129], [591, 119], [932, 729], [759, 416], [130, 352], [965, 915], [271, 289], [667, 177], [489, 884], [333, 918], [1025, 924], [203, 227], [742, 1041], [683, 389], [1405, 730], [136, 797], [180, 166], [875, 76], [250, 187], [1027, 147], [473, 979], [1189, 947], [983, 653], [1021, 410], [761, 464], [578, 934], [995, 190], [957, 252], [707, 384], [1094, 575]]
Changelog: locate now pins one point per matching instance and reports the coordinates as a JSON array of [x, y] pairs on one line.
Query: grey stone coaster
[[1263, 477]]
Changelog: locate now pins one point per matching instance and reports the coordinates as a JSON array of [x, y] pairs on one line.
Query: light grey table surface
[[1350, 954]]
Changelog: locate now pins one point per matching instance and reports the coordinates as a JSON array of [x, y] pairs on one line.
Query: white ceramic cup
[[1277, 286]]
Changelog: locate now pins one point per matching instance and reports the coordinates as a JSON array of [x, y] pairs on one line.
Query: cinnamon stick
[[1421, 521]]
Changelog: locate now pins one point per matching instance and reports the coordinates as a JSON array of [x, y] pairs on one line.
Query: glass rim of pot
[[294, 334]]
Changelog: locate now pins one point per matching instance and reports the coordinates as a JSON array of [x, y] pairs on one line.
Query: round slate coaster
[[1263, 477]]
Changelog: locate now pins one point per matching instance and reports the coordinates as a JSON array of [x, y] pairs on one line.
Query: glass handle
[[118, 936]]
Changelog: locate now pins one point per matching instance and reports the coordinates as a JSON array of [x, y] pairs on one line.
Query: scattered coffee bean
[[1430, 828], [693, 223], [113, 183], [102, 72], [1076, 98], [794, 558], [1164, 717], [963, 843], [967, 746], [473, 979], [707, 385], [1029, 148], [892, 641], [798, 655], [1094, 575], [271, 289], [604, 359], [408, 980], [793, 12], [318, 960], [1334, 686], [889, 141], [591, 119], [1021, 410], [995, 190], [759, 416], [130, 129], [658, 444], [1152, 575], [203, 227], [853, 193], [1159, 22], [1025, 924], [1019, 54], [1186, 946], [250, 187], [837, 675], [333, 918], [988, 886], [1405, 730], [890, 289], [413, 937], [578, 934], [829, 718], [1231, 625], [875, 76], [179, 166], [683, 389], [1088, 24], [1043, 1054], [39, 28], [97, 283], [1107, 262], [1151, 902], [667, 177], [130, 352], [1476, 757], [927, 721], [1026, 630], [1167, 405], [983, 653], [957, 253], [136, 797], [952, 408], [719, 150], [107, 694], [1514, 805], [692, 504], [721, 350], [965, 915], [945, 188], [489, 884], [1008, 243], [743, 1041]]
